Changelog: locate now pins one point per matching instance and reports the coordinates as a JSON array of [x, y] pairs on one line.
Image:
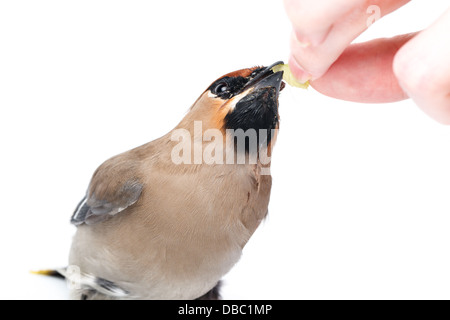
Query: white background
[[360, 203]]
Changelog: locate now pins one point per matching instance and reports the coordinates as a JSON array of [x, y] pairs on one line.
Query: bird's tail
[[85, 282], [56, 273]]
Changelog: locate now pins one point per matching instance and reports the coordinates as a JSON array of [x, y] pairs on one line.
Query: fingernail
[[298, 72], [302, 40]]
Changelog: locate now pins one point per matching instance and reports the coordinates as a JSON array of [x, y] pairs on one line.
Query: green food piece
[[289, 77]]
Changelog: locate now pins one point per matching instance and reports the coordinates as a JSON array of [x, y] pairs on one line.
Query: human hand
[[415, 65]]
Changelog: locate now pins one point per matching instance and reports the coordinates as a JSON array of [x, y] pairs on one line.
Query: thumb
[[364, 73]]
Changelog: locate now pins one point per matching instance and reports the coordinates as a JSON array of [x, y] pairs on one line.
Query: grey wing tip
[[80, 213], [99, 210]]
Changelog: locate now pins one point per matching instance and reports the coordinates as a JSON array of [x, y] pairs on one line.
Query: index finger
[[324, 29]]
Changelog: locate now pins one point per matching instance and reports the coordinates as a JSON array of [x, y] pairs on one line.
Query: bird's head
[[244, 99]]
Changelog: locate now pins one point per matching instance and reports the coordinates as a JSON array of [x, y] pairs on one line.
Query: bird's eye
[[221, 88]]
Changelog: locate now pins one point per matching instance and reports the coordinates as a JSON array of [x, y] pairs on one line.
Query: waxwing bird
[[167, 221]]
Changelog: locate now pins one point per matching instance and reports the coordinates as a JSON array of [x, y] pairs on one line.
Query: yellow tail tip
[[43, 272]]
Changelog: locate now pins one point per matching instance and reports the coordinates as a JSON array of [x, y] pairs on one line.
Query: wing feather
[[113, 188]]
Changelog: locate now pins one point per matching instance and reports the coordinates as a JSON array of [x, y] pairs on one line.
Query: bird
[[158, 221]]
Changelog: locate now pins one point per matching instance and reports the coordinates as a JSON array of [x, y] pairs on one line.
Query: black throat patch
[[256, 112]]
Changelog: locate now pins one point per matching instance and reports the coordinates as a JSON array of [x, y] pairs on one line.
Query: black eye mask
[[227, 87]]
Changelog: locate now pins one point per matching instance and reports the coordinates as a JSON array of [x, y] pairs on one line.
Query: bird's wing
[[114, 187]]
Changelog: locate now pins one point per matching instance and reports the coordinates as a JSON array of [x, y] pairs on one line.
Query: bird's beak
[[267, 78], [273, 80]]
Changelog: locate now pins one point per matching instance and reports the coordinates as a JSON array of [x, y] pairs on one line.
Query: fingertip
[[305, 61], [299, 73]]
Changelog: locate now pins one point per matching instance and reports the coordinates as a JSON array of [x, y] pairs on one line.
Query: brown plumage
[[149, 228]]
